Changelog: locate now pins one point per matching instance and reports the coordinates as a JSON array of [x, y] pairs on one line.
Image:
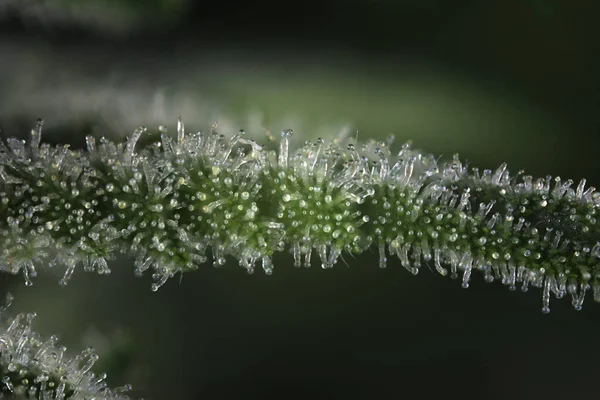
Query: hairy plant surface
[[167, 202], [33, 368]]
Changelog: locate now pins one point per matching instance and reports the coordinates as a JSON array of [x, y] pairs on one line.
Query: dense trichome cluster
[[168, 202], [36, 368]]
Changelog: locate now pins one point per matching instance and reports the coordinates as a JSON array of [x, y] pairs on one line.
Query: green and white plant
[[36, 368], [169, 201]]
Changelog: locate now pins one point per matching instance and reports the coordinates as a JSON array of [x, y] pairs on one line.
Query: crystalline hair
[[169, 202], [36, 368]]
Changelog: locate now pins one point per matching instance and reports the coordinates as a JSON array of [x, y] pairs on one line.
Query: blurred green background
[[493, 80]]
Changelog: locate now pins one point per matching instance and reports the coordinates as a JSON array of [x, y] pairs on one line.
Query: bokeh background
[[511, 80]]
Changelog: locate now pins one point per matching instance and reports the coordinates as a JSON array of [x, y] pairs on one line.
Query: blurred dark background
[[493, 80]]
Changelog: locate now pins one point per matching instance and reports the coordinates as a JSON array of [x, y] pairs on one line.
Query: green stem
[[167, 202]]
